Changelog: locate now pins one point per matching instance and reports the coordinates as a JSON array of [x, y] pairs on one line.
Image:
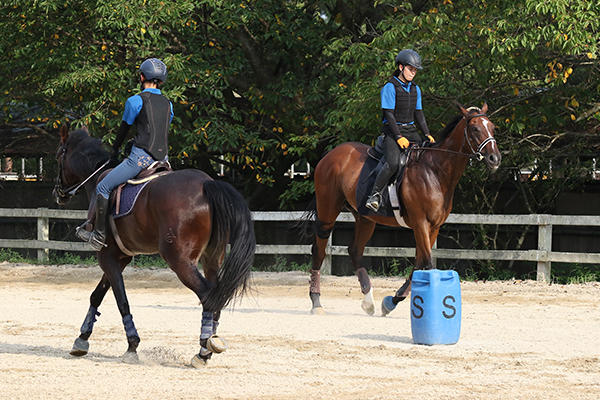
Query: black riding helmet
[[154, 69], [409, 57]]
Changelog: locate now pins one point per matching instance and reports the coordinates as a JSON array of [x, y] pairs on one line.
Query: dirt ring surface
[[519, 340]]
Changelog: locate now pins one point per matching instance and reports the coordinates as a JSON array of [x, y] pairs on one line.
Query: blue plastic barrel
[[435, 307]]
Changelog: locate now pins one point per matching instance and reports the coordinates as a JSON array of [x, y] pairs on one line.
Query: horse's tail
[[231, 223], [306, 224]]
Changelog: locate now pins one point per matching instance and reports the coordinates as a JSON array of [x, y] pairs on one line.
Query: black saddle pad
[[366, 180]]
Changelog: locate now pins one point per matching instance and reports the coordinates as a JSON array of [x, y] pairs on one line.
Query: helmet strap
[[402, 77]]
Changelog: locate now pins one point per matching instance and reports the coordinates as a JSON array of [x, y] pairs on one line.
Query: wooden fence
[[543, 255]]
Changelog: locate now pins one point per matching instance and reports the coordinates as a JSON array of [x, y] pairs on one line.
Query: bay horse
[[184, 216], [426, 194]]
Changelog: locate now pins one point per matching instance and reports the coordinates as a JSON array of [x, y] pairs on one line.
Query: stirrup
[[83, 234], [97, 241], [374, 201]]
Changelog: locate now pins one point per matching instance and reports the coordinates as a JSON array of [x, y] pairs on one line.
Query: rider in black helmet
[[152, 114], [402, 110]]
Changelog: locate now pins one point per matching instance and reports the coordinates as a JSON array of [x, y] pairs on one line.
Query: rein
[[475, 153], [71, 190]]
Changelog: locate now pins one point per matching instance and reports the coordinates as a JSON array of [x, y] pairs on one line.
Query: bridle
[[475, 153], [59, 185], [489, 139]]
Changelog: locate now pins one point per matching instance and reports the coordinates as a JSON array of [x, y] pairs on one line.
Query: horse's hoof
[[387, 305], [317, 311], [130, 357], [198, 362], [216, 344], [368, 304], [80, 347]]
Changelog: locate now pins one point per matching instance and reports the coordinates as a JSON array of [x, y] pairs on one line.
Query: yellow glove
[[403, 142], [431, 139]]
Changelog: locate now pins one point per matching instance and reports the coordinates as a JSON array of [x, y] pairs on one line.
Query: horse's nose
[[493, 160]]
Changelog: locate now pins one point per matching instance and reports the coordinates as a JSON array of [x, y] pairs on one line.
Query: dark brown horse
[[184, 216], [426, 196]]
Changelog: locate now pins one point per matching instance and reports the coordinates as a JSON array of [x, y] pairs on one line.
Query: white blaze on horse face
[[486, 124]]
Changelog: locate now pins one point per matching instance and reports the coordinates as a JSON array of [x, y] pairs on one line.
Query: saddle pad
[[129, 195], [366, 180]]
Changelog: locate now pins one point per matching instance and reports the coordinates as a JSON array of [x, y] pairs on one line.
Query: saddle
[[124, 196], [390, 204]]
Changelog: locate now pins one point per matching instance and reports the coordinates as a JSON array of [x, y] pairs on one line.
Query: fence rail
[[543, 255]]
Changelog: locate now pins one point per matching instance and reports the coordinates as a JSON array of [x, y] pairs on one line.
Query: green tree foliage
[[259, 85], [535, 64]]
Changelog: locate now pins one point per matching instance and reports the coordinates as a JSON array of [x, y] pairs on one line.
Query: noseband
[[490, 139], [71, 190]]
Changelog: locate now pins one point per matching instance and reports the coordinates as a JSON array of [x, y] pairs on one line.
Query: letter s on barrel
[[448, 306], [418, 307]]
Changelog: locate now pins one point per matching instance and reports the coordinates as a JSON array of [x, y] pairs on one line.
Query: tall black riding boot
[[98, 237], [384, 175]]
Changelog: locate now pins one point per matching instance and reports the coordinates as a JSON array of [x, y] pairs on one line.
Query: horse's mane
[[448, 129], [90, 150], [444, 133]]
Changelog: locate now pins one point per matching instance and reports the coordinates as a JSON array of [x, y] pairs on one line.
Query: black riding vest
[[152, 125], [406, 102]]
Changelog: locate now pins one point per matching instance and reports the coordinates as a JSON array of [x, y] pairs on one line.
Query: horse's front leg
[[423, 237], [363, 230], [112, 266], [81, 345]]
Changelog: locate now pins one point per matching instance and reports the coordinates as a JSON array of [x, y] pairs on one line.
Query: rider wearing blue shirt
[[402, 109], [152, 114]]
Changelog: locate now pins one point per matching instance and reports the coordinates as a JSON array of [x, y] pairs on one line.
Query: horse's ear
[[64, 133], [484, 109], [461, 108]]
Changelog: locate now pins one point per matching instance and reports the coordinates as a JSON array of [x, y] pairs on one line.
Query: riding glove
[[403, 142], [431, 139]]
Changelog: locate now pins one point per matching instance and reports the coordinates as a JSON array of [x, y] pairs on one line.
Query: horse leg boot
[[98, 240], [389, 303], [81, 345], [315, 292], [384, 175], [209, 342]]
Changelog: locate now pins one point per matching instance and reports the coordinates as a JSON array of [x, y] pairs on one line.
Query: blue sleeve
[[133, 105], [171, 120], [419, 105], [388, 96]]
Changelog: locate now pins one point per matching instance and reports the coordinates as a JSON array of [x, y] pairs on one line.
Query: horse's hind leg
[[363, 230], [329, 207], [210, 342], [185, 266]]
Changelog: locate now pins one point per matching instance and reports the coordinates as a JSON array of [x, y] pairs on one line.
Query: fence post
[[326, 266], [43, 233], [545, 246]]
